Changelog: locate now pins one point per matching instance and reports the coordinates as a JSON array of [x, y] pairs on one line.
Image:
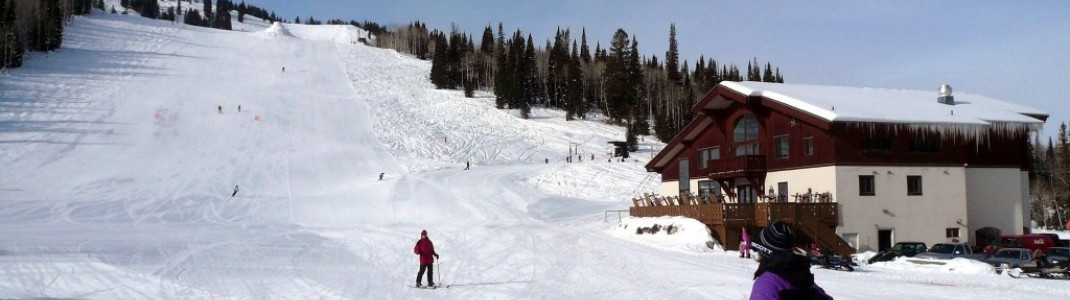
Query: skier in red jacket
[[425, 249]]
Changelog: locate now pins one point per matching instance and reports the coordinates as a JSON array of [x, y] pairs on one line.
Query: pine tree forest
[[1049, 180], [640, 92]]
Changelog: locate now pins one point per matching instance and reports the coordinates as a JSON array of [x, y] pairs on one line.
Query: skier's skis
[[430, 287]]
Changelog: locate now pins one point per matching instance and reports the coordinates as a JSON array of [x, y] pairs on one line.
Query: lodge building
[[854, 169]]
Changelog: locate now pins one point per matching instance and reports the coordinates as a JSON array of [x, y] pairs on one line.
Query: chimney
[[945, 95]]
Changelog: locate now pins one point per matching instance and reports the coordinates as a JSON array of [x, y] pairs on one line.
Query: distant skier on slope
[[235, 191], [425, 249], [220, 109]]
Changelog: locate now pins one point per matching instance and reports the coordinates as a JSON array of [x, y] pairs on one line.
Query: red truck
[[1033, 242]]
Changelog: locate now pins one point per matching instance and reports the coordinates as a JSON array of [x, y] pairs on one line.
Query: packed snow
[[119, 168]]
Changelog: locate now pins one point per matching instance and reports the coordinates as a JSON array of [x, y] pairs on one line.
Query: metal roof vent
[[945, 95]]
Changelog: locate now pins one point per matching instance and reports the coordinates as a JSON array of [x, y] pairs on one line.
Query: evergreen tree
[[81, 7], [557, 69], [528, 79], [585, 54], [149, 9], [454, 55], [221, 17], [620, 93], [1061, 173], [767, 75], [635, 84], [504, 72], [672, 57], [486, 45], [241, 12], [49, 26], [12, 51], [1062, 153], [575, 106], [209, 14], [439, 62], [193, 17]]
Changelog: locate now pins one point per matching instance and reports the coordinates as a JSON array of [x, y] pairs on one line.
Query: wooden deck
[[744, 214], [814, 222]]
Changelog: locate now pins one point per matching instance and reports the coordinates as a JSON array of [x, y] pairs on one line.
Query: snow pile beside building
[[671, 233]]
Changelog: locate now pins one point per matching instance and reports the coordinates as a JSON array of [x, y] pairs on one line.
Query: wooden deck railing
[[814, 220], [734, 214]]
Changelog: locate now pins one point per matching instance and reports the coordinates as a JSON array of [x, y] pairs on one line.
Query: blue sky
[[1016, 51]]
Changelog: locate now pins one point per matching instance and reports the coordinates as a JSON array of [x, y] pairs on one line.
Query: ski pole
[[439, 266]]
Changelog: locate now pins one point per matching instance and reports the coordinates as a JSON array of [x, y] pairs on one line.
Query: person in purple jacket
[[781, 273]]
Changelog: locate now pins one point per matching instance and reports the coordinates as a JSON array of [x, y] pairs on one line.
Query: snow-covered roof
[[913, 108]]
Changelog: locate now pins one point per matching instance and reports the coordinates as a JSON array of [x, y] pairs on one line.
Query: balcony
[[738, 166]]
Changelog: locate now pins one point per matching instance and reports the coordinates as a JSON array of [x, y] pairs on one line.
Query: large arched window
[[746, 128], [745, 135]]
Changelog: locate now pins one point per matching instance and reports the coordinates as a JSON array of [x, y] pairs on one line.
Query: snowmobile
[[833, 262]]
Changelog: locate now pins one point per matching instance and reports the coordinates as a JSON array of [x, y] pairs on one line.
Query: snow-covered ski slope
[[116, 174]]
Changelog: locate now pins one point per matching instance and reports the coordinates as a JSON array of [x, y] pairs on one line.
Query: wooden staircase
[[821, 234]]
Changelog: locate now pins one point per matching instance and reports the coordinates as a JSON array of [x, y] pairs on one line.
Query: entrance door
[[884, 239], [746, 194], [782, 190]]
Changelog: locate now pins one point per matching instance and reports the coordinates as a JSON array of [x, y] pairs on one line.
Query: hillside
[[118, 171]]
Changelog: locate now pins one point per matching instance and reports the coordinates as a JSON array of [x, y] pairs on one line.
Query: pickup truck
[[941, 253], [908, 249], [1010, 258]]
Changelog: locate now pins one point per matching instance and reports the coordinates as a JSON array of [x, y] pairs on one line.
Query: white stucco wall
[[670, 188], [997, 198], [819, 180], [952, 197], [923, 218]]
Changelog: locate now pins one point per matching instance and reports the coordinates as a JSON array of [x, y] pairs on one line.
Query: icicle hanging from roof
[[958, 132]]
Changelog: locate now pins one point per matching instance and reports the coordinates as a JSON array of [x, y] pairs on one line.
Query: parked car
[[941, 253], [1009, 258], [1057, 257], [908, 249]]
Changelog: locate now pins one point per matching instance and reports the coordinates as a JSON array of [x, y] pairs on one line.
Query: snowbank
[[671, 233], [953, 266], [275, 30], [343, 34]]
